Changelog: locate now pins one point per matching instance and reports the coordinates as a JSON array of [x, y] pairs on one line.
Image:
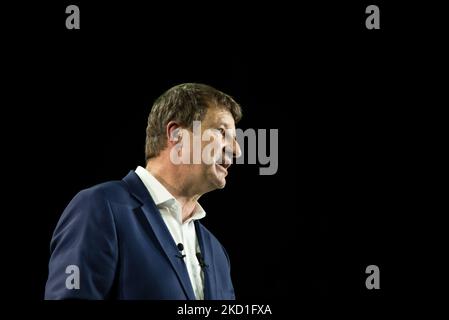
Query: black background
[[341, 96]]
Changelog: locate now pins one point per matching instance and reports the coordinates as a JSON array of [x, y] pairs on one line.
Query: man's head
[[172, 132]]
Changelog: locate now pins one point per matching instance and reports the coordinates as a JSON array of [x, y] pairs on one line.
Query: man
[[141, 237]]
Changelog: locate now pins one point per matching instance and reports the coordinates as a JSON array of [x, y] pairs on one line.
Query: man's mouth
[[223, 165]]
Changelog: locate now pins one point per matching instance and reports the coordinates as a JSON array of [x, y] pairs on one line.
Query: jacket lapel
[[210, 285], [153, 216]]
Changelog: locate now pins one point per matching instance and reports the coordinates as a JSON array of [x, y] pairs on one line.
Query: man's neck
[[173, 184]]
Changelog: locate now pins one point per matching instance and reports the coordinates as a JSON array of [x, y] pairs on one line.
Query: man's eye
[[222, 131]]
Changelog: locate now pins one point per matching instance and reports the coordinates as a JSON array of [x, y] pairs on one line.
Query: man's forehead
[[219, 115]]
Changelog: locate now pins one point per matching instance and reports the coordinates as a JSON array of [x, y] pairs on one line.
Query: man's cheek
[[211, 152]]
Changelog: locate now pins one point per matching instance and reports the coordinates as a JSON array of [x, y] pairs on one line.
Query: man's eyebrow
[[225, 124]]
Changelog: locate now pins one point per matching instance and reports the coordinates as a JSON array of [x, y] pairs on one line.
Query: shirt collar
[[162, 197]]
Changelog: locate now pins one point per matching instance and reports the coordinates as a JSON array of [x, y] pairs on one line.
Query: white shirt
[[184, 233]]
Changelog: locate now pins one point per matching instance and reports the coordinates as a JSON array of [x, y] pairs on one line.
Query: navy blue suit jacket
[[116, 236]]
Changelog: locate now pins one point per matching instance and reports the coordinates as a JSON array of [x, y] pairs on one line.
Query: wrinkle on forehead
[[216, 116]]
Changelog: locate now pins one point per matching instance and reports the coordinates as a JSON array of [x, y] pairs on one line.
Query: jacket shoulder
[[111, 191]]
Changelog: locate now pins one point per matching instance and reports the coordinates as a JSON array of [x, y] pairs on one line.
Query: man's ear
[[174, 133]]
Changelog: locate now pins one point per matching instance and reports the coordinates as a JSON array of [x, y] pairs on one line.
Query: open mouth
[[223, 165]]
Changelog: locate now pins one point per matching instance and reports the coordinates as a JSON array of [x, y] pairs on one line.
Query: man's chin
[[219, 178], [222, 185], [219, 182]]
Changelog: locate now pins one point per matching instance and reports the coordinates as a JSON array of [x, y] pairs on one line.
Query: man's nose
[[237, 152], [232, 148]]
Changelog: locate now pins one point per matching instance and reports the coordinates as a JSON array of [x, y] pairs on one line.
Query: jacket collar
[[157, 224]]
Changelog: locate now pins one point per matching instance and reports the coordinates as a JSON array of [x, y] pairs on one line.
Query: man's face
[[218, 148]]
